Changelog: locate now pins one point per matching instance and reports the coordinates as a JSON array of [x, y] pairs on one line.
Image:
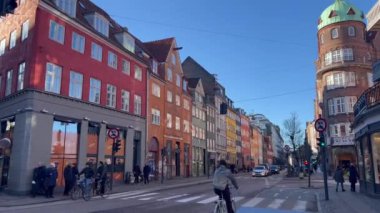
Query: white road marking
[[124, 194], [172, 197], [253, 202], [146, 198], [266, 182], [144, 195], [276, 203], [189, 199], [275, 195], [237, 199], [300, 206], [209, 200]]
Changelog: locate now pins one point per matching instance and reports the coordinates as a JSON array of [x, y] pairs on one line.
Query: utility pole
[[320, 125]]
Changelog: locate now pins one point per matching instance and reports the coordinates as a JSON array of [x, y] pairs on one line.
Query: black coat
[[68, 174], [338, 177], [354, 176], [146, 170], [137, 171]]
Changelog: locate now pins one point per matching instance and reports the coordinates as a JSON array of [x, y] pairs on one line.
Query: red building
[[68, 74], [246, 141]]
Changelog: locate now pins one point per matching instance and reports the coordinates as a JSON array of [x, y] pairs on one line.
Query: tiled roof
[[160, 49]]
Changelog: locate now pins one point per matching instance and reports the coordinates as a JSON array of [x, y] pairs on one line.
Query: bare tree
[[292, 131]]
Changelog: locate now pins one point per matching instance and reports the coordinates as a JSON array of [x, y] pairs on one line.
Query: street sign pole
[[113, 134], [324, 169]]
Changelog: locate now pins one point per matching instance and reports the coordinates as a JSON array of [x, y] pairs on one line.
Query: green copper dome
[[340, 11]]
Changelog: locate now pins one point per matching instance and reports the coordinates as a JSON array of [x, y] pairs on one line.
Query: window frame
[[12, 39], [334, 33], [111, 96], [351, 31], [112, 60], [138, 73], [96, 51], [56, 74], [56, 32], [2, 46], [9, 82], [25, 30], [76, 85], [169, 74], [125, 100], [21, 76], [126, 67], [94, 90], [156, 90], [137, 104], [78, 42]]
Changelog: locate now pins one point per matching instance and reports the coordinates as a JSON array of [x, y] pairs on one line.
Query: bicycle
[[81, 189], [221, 206], [97, 187]]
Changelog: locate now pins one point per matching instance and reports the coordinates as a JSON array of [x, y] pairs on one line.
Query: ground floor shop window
[[119, 160], [375, 139], [64, 146], [368, 168], [359, 151], [93, 142], [6, 139]]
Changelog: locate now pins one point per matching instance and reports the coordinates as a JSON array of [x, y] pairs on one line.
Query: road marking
[[209, 200], [253, 202], [266, 182], [276, 203], [189, 199], [124, 194], [172, 197], [144, 195], [275, 195], [300, 205], [237, 199], [147, 198]]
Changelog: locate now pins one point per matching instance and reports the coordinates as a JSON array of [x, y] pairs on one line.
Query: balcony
[[343, 141], [369, 99], [322, 67]]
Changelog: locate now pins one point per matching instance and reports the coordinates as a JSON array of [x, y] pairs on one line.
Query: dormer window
[[126, 40], [67, 6], [351, 11], [333, 14], [155, 67], [99, 23]]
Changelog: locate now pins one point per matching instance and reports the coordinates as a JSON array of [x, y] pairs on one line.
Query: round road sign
[[113, 133], [320, 125], [287, 148]]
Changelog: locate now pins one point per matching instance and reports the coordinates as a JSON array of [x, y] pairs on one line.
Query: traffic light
[[116, 146], [321, 142], [7, 6]]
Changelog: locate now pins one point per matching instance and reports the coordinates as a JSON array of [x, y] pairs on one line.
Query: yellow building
[[231, 136]]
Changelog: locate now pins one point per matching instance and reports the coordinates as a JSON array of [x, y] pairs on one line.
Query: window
[[186, 104], [76, 83], [2, 47], [138, 73], [177, 123], [8, 85], [328, 58], [177, 100], [322, 39], [340, 79], [56, 32], [173, 58], [94, 90], [170, 74], [111, 96], [340, 130], [53, 78], [348, 54], [336, 56], [351, 102], [168, 120], [125, 100], [334, 33], [25, 30], [186, 126], [20, 78], [126, 67], [101, 24], [67, 6], [351, 31], [156, 90], [155, 66], [331, 106], [339, 55], [340, 104], [137, 105], [155, 116], [96, 51], [169, 96], [12, 41], [112, 60], [178, 81], [78, 42]]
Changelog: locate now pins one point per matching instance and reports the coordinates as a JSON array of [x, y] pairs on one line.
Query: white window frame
[[137, 104], [111, 96], [156, 117], [21, 76], [351, 31], [138, 73], [67, 6], [112, 60], [340, 105], [348, 54], [322, 38], [177, 123], [178, 80], [57, 32], [13, 38], [328, 58], [95, 89], [156, 90], [331, 106], [177, 100], [169, 96], [186, 104], [125, 97], [96, 51], [174, 60], [334, 33], [169, 123], [186, 126], [126, 67], [2, 47], [53, 78], [170, 74], [76, 85], [8, 83], [101, 24], [78, 42], [25, 30], [154, 66]]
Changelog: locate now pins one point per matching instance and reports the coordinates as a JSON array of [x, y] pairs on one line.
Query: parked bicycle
[[82, 189]]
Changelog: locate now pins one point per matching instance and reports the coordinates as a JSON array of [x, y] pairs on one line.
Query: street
[[273, 192]]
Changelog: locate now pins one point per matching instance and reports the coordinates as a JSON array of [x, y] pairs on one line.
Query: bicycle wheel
[[75, 192], [217, 209], [107, 189], [233, 205], [86, 193]]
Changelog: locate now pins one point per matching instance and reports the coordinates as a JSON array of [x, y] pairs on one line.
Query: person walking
[[354, 176], [51, 180], [101, 176], [69, 176], [137, 173], [339, 179], [39, 175], [146, 171]]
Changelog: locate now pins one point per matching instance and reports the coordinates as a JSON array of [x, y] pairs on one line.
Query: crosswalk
[[207, 199]]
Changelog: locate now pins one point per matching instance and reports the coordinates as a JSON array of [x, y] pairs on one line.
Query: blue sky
[[263, 52]]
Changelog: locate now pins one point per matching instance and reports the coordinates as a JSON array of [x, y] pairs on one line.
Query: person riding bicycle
[[101, 175], [221, 178], [88, 174]]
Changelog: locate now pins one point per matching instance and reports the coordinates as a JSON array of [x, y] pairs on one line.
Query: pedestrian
[[146, 171], [339, 179], [51, 180], [137, 173], [354, 176], [69, 176], [39, 174], [101, 176]]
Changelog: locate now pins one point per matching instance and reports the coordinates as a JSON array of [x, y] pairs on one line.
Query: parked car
[[260, 171], [274, 169], [266, 167]]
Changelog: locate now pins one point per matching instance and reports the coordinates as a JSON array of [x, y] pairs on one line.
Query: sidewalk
[[344, 202], [10, 200]]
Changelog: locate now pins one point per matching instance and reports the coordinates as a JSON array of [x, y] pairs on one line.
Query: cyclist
[[101, 175], [88, 174], [221, 178]]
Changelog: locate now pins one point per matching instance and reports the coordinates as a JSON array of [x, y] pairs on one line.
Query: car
[[260, 171], [274, 169]]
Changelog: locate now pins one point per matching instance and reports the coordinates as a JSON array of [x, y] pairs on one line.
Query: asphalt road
[[272, 192]]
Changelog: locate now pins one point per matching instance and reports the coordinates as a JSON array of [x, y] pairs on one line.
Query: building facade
[[343, 73]]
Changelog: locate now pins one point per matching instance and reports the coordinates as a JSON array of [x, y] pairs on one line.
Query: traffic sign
[[113, 133], [287, 148], [320, 124]]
